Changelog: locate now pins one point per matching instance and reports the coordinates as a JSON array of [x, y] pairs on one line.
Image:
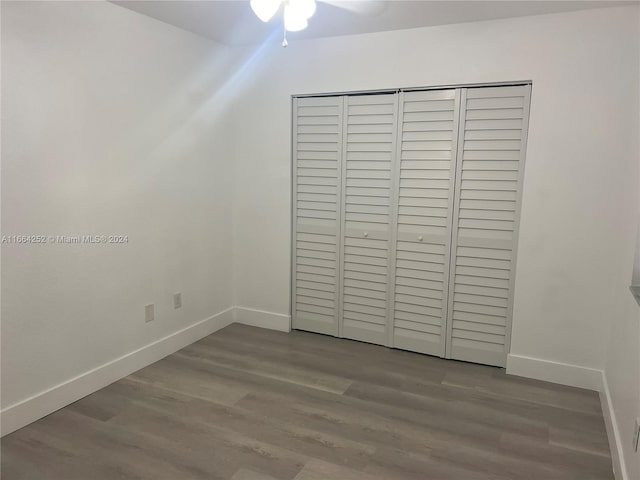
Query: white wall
[[110, 126], [622, 367], [581, 161]]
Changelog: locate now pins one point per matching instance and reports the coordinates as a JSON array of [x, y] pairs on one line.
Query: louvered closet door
[[317, 147], [426, 171], [489, 176], [369, 150]]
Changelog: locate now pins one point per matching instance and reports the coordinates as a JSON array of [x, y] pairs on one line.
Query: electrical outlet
[[149, 313], [177, 300], [636, 435]]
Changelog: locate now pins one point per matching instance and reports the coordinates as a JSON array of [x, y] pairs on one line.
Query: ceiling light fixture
[[296, 13], [265, 9]]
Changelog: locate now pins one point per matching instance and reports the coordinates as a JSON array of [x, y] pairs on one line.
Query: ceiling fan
[[298, 12]]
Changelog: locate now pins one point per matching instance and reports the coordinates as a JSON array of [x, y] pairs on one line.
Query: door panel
[[489, 184], [369, 150], [317, 150], [426, 169]]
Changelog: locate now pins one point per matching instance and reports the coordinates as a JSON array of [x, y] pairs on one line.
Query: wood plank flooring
[[253, 404]]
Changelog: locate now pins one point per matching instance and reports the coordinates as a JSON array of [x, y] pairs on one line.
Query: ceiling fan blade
[[368, 8]]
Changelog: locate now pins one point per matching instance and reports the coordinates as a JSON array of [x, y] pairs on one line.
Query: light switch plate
[[636, 435], [177, 300], [149, 314]]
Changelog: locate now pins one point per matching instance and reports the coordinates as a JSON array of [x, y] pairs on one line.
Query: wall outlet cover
[[149, 314]]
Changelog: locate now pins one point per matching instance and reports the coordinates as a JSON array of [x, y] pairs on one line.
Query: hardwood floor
[[253, 404]]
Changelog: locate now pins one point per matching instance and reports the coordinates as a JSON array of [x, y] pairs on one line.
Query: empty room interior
[[320, 239]]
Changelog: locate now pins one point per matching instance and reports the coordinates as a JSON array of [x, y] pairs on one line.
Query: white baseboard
[[613, 433], [555, 372], [48, 401], [31, 409], [262, 318]]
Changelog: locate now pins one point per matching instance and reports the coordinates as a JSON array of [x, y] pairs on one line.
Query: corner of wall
[[263, 319], [43, 403], [613, 432]]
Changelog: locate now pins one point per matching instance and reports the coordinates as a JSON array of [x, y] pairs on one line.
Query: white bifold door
[[317, 210], [425, 169], [368, 151], [405, 217], [493, 127]]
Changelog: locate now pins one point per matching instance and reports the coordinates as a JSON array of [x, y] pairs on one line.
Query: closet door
[[369, 151], [428, 123], [488, 187], [317, 149]]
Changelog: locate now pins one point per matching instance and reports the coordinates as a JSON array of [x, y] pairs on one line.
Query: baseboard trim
[[262, 318], [31, 409], [613, 433], [555, 372]]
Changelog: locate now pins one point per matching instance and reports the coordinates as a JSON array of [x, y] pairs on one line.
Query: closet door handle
[[420, 238], [366, 234]]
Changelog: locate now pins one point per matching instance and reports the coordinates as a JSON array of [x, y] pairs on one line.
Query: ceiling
[[233, 22]]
